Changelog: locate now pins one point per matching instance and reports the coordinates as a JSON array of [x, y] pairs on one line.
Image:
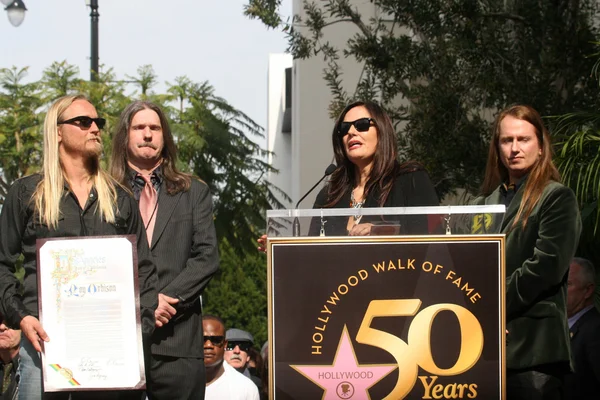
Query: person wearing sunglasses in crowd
[[223, 382], [71, 196], [369, 174], [237, 352]]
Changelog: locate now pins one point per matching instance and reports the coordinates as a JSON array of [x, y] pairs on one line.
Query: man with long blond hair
[[72, 196], [542, 226]]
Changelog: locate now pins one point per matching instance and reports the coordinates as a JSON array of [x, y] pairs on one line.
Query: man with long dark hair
[[542, 226], [177, 213]]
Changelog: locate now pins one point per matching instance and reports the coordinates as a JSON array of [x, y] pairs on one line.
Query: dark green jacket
[[537, 264]]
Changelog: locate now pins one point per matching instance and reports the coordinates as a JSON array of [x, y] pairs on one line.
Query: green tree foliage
[[443, 68], [238, 294], [215, 142], [20, 134], [578, 159]]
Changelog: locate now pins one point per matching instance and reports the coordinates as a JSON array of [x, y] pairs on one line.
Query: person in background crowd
[[9, 361], [177, 211], [584, 324], [542, 226], [237, 352], [223, 382], [72, 196]]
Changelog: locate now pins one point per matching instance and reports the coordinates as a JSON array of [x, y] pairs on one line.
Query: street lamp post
[[95, 17], [15, 10], [16, 13]]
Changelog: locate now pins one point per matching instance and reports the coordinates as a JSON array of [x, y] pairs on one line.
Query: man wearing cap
[[239, 343]]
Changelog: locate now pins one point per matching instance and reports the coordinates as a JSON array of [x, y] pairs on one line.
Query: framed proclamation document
[[89, 306]]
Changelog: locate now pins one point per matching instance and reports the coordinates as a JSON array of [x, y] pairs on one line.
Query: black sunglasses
[[85, 122], [244, 346], [361, 125], [215, 340]]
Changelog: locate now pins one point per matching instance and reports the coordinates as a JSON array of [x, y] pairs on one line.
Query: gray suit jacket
[[184, 249]]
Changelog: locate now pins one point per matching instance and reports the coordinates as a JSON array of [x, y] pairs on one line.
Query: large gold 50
[[417, 352]]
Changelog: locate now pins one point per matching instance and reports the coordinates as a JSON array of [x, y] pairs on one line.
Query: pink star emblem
[[345, 378]]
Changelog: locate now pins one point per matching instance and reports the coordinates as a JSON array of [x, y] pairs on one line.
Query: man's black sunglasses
[[85, 122], [215, 340], [361, 125], [244, 346]]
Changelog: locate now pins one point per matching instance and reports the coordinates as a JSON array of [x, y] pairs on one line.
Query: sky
[[208, 40]]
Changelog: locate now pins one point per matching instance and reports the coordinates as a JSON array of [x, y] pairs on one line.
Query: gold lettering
[[427, 394], [475, 297], [450, 275], [457, 281], [380, 267], [429, 264], [363, 274], [325, 310], [472, 391], [318, 336], [391, 265], [340, 289], [316, 350], [437, 269], [461, 389], [322, 328], [355, 281], [333, 299], [467, 289], [326, 320], [437, 391], [450, 391], [411, 263]]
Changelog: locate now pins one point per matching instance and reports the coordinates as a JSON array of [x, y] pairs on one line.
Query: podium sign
[[393, 317]]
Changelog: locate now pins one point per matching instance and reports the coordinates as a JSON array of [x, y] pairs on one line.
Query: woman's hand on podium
[[360, 230], [262, 243]]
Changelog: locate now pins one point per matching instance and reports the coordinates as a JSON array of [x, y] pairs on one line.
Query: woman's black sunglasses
[[361, 125], [85, 122]]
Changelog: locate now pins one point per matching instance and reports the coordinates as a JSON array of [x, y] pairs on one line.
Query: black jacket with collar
[[410, 189]]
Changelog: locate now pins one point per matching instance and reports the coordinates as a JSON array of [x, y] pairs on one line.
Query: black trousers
[[539, 383], [173, 378]]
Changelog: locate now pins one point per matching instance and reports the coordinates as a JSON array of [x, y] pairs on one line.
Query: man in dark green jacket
[[542, 226]]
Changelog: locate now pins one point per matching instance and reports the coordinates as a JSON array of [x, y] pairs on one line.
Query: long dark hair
[[385, 164], [541, 172], [175, 180]]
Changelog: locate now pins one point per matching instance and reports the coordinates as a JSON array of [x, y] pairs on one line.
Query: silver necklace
[[356, 204]]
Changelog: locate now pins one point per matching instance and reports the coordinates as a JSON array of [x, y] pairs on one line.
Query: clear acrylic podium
[[413, 309]]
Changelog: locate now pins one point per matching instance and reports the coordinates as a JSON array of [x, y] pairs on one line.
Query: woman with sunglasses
[[369, 175]]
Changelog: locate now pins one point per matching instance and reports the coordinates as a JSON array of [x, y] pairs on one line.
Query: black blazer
[[411, 189], [584, 384], [184, 249]]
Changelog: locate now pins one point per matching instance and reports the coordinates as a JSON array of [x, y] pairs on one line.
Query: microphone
[[296, 225]]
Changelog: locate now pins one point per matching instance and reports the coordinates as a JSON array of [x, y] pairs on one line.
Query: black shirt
[[20, 227]]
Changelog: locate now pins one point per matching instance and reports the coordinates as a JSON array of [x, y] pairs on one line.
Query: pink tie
[[148, 199]]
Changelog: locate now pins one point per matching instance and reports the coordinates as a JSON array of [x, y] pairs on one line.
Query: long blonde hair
[[542, 172], [50, 189]]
